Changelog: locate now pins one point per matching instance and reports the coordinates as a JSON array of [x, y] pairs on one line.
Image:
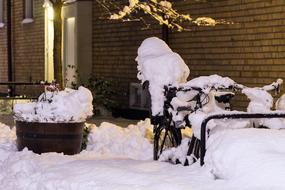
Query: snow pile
[[159, 65], [280, 103], [7, 138], [176, 153], [22, 170], [63, 106], [240, 159], [261, 102], [248, 156], [112, 140], [25, 170]]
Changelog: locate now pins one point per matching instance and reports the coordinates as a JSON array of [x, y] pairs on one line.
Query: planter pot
[[50, 137]]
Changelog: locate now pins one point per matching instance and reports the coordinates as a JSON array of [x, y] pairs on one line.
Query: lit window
[[28, 11], [1, 13]]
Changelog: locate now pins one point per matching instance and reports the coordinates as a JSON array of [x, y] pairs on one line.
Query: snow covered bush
[[58, 106]]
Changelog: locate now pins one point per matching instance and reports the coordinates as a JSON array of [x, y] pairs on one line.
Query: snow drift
[[248, 156]]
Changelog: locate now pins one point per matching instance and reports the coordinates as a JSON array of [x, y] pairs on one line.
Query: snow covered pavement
[[120, 158]]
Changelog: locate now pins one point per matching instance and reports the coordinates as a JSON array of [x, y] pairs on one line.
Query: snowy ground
[[120, 158]]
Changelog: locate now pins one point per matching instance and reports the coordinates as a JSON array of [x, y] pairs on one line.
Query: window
[[1, 13], [28, 11]]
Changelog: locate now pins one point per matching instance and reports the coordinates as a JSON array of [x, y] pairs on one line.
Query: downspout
[[9, 46]]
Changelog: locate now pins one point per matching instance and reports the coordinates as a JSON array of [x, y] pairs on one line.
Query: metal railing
[[231, 116], [10, 94]]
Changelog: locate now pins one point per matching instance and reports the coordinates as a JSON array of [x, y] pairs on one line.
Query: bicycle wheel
[[164, 138]]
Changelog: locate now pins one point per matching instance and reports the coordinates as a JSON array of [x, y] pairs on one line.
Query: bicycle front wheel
[[165, 138]]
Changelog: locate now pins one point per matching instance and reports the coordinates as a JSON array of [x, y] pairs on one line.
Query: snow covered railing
[[239, 115]]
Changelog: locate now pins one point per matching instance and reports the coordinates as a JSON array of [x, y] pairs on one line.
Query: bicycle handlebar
[[236, 86]]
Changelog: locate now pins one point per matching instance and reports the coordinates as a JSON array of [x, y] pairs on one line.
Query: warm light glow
[[50, 13], [49, 37], [47, 4], [49, 8]]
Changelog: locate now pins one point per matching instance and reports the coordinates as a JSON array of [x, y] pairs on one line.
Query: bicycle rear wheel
[[165, 138]]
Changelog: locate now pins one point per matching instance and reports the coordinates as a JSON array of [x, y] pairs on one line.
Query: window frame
[[28, 11], [1, 13]]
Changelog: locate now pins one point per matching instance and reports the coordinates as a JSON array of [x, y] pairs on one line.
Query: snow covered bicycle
[[175, 102], [189, 102], [258, 111], [180, 101]]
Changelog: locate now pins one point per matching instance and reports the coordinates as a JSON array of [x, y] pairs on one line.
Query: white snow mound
[[63, 106], [249, 156], [159, 65], [112, 140]]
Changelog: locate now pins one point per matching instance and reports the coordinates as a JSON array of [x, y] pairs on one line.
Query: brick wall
[[251, 51], [28, 43], [115, 49], [3, 53]]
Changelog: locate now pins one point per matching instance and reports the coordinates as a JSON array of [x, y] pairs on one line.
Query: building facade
[[251, 51], [27, 41], [26, 52], [22, 45]]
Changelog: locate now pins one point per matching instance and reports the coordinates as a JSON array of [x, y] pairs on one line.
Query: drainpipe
[[9, 46]]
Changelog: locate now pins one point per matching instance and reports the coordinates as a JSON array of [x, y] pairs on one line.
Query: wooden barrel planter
[[50, 137]]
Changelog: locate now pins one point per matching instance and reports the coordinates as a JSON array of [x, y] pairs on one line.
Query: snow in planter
[[60, 106]]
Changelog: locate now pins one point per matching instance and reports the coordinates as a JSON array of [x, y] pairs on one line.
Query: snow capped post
[[160, 66]]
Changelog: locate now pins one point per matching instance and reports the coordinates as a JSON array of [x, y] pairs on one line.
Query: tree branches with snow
[[160, 10]]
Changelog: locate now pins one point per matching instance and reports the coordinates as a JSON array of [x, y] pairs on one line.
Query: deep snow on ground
[[118, 158], [248, 156]]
